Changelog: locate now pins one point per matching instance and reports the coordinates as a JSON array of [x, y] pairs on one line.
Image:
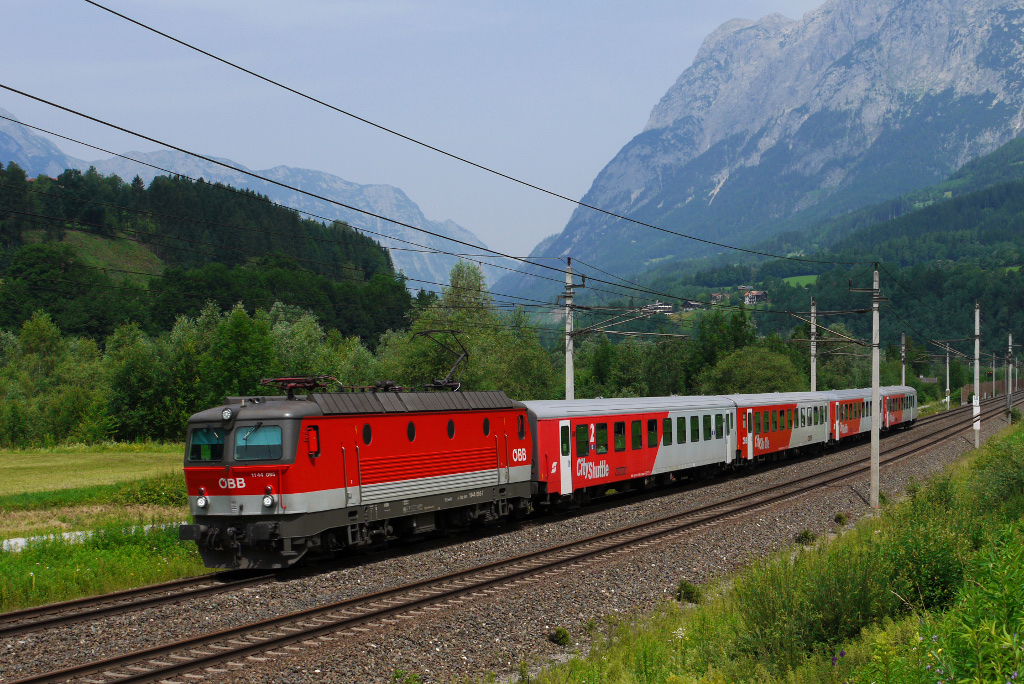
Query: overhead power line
[[451, 155]]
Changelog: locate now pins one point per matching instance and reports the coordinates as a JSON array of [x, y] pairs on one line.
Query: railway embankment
[[930, 589]]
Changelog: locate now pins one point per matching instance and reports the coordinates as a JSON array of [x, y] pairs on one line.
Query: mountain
[[780, 123], [37, 155], [31, 152]]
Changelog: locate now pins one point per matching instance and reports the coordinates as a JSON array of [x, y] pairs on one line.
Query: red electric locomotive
[[271, 479]]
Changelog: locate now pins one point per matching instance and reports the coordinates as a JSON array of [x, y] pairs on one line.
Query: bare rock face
[[780, 122]]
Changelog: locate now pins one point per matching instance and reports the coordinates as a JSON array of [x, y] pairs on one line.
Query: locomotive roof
[[592, 407]]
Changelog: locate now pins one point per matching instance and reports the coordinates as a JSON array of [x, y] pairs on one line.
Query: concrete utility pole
[[1006, 382], [977, 374], [903, 358], [876, 299], [570, 370], [814, 346], [570, 289], [947, 377]]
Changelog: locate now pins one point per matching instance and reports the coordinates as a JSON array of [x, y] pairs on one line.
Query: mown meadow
[[930, 590], [129, 498]]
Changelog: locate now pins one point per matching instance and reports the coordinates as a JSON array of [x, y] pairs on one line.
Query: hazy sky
[[545, 91]]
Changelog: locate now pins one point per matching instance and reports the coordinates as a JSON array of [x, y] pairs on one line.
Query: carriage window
[[719, 431], [582, 444], [707, 428], [636, 434], [728, 423], [666, 432], [694, 429], [757, 423], [803, 418], [258, 442], [681, 430], [601, 438], [652, 432], [620, 435], [775, 422], [789, 419], [565, 440], [206, 444], [814, 411]]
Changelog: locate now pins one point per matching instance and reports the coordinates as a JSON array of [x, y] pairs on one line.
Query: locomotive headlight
[[202, 502], [226, 414], [268, 501]]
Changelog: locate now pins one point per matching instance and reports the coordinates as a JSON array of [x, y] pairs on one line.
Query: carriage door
[[502, 443], [565, 438], [729, 432], [750, 434], [350, 467]]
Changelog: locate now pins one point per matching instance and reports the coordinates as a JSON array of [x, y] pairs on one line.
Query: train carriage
[[595, 443], [779, 421]]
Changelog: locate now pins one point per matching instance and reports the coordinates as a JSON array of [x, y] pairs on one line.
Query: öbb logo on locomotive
[[343, 470]]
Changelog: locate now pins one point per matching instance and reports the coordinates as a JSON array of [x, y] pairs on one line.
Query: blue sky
[[545, 91]]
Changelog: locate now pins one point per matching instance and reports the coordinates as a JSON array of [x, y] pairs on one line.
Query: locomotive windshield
[[206, 444], [258, 442]]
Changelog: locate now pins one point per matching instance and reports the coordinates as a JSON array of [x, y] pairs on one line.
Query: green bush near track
[[930, 590]]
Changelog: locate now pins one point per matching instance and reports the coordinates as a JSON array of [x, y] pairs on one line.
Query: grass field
[[802, 280], [23, 472], [113, 491]]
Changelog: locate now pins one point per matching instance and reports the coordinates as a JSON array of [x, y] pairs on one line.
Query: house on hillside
[[719, 297], [660, 308], [755, 297], [690, 305]]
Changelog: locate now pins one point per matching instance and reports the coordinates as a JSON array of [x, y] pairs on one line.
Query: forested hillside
[[211, 243]]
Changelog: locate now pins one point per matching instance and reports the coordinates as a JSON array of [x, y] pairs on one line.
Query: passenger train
[[274, 480]]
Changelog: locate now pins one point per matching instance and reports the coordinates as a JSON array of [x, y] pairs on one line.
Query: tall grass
[[111, 559]]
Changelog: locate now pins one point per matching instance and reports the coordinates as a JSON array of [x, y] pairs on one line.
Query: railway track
[[93, 607], [227, 650]]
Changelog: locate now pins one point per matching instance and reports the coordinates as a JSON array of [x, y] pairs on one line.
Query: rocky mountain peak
[[780, 121]]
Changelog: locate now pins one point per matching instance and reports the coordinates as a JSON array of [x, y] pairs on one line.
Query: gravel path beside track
[[490, 634]]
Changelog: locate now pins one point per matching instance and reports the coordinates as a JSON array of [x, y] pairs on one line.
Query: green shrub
[[806, 537], [688, 592], [560, 636], [822, 596], [840, 518]]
